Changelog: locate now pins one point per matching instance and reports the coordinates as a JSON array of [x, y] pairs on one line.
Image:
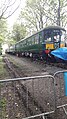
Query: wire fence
[[39, 97]]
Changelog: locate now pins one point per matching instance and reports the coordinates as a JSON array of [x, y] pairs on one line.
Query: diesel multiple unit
[[41, 43]]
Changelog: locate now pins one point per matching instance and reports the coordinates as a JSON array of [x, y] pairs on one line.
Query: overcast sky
[[14, 17]]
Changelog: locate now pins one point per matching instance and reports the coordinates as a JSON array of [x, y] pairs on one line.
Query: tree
[[58, 12], [33, 15], [18, 32], [8, 7], [9, 40], [40, 13], [3, 30]]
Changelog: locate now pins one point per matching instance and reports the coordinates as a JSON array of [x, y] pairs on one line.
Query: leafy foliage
[[40, 13], [18, 32], [3, 32]]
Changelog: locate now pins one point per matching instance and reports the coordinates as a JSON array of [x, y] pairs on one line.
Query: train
[[40, 44]]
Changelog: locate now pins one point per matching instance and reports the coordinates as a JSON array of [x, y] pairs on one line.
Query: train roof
[[54, 27], [49, 27]]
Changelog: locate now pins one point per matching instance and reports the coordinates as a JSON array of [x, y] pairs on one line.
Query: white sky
[[14, 17]]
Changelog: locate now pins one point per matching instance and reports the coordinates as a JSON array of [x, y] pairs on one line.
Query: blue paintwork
[[60, 53], [65, 82]]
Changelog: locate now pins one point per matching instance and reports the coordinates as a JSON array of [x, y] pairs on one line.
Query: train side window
[[41, 35], [56, 38], [56, 35], [21, 43], [37, 39], [17, 45], [24, 43], [33, 40], [63, 36], [48, 36], [29, 41], [49, 39], [41, 38]]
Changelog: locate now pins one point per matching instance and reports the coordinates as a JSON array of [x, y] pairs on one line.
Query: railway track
[[50, 63], [21, 90], [60, 65], [33, 107]]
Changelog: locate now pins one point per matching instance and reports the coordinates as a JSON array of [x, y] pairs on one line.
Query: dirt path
[[27, 67], [32, 68]]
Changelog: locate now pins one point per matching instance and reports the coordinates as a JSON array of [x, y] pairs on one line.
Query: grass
[[3, 108], [3, 72], [3, 75]]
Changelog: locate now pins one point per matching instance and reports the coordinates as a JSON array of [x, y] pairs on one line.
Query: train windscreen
[[63, 36], [54, 35]]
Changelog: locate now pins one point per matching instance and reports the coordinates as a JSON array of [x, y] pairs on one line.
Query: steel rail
[[27, 78]]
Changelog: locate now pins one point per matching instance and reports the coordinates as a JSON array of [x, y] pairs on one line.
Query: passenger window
[[17, 46], [41, 38], [29, 41], [48, 35], [37, 39], [41, 35], [56, 38], [21, 44], [48, 39], [33, 41]]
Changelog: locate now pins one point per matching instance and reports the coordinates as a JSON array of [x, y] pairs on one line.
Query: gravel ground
[[32, 68], [42, 90]]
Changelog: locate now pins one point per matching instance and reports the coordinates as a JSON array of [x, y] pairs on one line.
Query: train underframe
[[42, 55]]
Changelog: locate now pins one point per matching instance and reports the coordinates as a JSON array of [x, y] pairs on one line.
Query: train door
[[56, 39]]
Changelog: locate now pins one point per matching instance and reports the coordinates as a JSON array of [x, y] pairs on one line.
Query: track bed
[[23, 67]]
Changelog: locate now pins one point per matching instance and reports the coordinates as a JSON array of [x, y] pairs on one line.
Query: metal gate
[[40, 97]]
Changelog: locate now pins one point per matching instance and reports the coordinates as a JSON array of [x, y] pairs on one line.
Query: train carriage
[[41, 43], [11, 50]]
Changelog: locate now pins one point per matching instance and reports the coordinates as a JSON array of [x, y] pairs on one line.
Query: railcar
[[11, 50], [41, 43]]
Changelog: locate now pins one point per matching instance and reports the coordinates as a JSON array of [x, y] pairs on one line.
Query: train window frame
[[41, 37], [21, 43], [29, 42], [56, 35], [46, 34], [37, 39], [63, 36], [60, 33], [17, 46], [24, 43], [33, 40]]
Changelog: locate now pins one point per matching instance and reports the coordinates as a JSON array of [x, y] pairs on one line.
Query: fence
[[39, 97]]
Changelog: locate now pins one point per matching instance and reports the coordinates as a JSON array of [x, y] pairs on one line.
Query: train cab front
[[54, 39]]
